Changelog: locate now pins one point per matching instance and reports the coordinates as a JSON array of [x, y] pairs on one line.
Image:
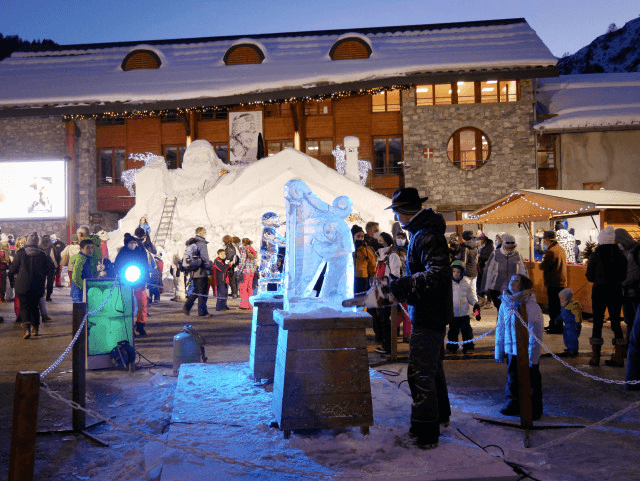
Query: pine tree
[[589, 247]]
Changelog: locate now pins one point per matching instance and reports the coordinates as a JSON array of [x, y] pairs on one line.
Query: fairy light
[[340, 155]]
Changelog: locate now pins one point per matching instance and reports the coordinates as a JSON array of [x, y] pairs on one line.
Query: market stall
[[533, 209]]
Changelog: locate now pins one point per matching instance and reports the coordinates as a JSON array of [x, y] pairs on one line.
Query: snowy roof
[[590, 102], [89, 78]]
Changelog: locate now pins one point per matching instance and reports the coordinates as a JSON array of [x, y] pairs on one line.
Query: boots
[[140, 329], [27, 330], [596, 346], [617, 357]]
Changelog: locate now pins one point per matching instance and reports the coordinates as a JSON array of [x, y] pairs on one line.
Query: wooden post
[[78, 379], [71, 134], [524, 381], [393, 355], [25, 421]]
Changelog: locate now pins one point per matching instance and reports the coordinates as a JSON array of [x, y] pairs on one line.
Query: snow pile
[[230, 199]]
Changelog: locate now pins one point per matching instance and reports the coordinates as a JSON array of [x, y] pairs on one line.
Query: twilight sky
[[563, 25]]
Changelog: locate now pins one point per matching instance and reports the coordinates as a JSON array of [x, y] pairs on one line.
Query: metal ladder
[[166, 220]]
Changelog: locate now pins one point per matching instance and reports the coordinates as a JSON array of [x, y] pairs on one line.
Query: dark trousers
[[200, 291], [457, 325], [494, 298], [606, 296], [633, 355], [222, 293], [427, 383], [554, 308], [511, 393], [629, 309], [233, 283], [50, 284], [30, 309]]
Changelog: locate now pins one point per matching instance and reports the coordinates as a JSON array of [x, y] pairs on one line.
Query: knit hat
[[566, 293], [508, 239], [355, 229], [459, 264], [387, 238], [128, 238], [32, 240], [607, 236], [139, 232]]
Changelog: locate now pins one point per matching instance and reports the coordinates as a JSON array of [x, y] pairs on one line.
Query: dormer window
[[350, 48], [244, 53], [141, 59]]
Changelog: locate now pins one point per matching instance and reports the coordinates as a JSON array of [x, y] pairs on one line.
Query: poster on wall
[[244, 130], [33, 189]]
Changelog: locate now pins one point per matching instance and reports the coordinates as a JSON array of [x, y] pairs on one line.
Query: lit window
[[320, 107], [468, 148], [466, 92], [386, 101], [275, 147], [509, 91], [489, 91], [112, 164], [387, 152], [442, 94], [273, 111], [547, 152], [321, 150]]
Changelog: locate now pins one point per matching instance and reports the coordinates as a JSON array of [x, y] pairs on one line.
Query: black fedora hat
[[406, 198]]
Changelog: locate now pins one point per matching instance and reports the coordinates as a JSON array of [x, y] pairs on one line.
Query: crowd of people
[[430, 281]]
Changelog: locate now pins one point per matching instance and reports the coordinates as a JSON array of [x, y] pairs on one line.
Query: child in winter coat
[[463, 297], [571, 317], [221, 273], [519, 293]]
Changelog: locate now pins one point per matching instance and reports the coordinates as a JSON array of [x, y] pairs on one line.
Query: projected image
[[33, 189]]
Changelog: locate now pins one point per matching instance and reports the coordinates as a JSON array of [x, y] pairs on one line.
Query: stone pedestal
[[264, 336], [321, 377]]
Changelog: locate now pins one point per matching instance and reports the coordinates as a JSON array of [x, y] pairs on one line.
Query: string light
[[137, 113], [552, 211]]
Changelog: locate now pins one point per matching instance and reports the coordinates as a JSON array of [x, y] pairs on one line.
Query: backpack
[[191, 260]]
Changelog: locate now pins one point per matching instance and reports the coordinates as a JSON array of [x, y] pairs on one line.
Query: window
[[593, 186], [321, 150], [350, 48], [318, 107], [386, 101], [222, 151], [141, 59], [173, 156], [171, 118], [468, 148], [112, 163], [245, 53], [106, 121], [273, 111], [488, 91], [547, 152], [214, 115], [387, 154], [273, 147]]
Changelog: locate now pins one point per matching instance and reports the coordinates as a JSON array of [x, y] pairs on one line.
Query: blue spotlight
[[132, 274]]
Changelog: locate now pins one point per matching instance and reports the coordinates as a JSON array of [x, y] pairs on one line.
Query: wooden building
[[432, 106]]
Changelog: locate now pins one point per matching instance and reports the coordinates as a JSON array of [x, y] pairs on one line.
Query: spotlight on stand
[[131, 274]]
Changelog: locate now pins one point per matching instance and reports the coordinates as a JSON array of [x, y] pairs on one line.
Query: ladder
[[166, 220]]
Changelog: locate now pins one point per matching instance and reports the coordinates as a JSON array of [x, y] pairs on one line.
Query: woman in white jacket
[[519, 293]]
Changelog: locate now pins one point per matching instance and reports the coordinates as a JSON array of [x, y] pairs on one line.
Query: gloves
[[476, 311], [379, 294]]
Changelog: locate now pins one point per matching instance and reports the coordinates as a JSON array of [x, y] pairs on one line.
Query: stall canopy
[[526, 205]]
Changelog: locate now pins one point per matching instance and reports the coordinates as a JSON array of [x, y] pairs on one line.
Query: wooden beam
[[25, 422]]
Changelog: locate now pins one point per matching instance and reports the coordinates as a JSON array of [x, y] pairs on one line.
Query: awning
[[542, 205]]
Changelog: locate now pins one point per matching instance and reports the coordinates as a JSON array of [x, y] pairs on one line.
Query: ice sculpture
[[318, 239], [270, 272]]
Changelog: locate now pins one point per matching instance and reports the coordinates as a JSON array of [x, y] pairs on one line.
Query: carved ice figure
[[271, 242], [318, 238]]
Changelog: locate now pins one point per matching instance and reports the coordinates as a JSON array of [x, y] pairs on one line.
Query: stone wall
[[511, 164], [34, 138]]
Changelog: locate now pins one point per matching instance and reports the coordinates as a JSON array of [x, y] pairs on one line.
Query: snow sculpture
[[318, 239], [347, 162], [270, 272]]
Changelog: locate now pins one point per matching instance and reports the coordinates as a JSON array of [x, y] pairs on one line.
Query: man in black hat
[[426, 288]]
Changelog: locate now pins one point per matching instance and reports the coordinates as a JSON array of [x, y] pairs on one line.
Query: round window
[[468, 148]]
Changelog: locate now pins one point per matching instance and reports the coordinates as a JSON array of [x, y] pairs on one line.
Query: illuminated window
[[466, 92], [273, 111], [386, 101], [509, 91], [321, 107], [173, 155], [141, 59], [321, 150], [350, 48], [468, 148], [547, 152], [112, 164], [273, 147], [387, 154], [489, 91], [245, 53]]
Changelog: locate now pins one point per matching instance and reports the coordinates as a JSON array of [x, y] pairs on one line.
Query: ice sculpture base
[[264, 336], [321, 377]]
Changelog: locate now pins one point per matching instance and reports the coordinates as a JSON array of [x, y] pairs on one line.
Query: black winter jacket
[[31, 265], [483, 254], [469, 255], [426, 286], [607, 265]]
